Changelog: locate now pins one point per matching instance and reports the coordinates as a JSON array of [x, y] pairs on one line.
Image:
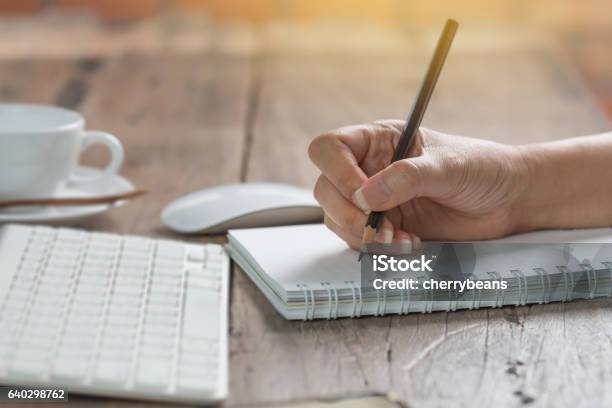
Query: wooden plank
[[181, 120], [81, 36], [303, 96], [25, 81], [536, 355]]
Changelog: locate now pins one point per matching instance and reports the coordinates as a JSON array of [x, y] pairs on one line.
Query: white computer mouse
[[247, 205]]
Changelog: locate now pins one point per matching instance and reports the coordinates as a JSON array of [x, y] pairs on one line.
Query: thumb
[[402, 181]]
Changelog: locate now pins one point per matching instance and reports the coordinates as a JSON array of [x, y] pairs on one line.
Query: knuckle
[[406, 172], [328, 222], [318, 189], [318, 144], [390, 125], [346, 184]]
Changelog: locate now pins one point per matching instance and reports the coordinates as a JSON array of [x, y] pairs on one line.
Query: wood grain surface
[[205, 117]]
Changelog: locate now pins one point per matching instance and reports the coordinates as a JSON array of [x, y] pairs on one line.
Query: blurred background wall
[[585, 14], [583, 28]]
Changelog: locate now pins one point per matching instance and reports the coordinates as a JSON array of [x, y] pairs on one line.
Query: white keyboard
[[112, 315]]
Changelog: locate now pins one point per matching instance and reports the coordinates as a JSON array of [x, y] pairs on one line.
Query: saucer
[[66, 214]]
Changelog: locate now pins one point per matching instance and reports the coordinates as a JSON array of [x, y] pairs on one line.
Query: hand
[[450, 187]]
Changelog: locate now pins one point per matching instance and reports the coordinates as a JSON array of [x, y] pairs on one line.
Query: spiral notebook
[[307, 272]]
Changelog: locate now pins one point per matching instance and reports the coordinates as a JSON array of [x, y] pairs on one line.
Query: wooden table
[[197, 106]]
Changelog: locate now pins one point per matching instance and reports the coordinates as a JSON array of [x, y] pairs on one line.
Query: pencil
[[414, 119]]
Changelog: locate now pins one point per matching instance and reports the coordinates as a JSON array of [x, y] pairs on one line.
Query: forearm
[[568, 184]]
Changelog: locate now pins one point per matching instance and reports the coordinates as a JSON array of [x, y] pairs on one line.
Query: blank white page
[[300, 254]]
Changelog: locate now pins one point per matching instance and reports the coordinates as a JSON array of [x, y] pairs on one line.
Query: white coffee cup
[[40, 147]]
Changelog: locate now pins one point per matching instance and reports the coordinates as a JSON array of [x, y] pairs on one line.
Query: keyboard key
[[25, 353], [28, 368], [94, 280], [204, 272], [69, 234], [195, 384], [153, 350], [120, 354], [166, 302], [153, 373], [159, 280], [164, 295], [29, 264], [36, 338], [197, 362], [199, 319], [102, 268], [91, 289], [132, 272], [138, 243], [123, 310], [130, 282], [196, 255], [168, 267], [133, 263], [115, 340], [89, 311], [70, 368], [160, 332], [205, 283], [199, 346], [77, 348], [95, 298], [162, 310], [112, 372], [170, 249], [17, 297]]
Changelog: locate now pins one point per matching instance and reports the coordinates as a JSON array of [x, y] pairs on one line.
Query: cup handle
[[93, 137]]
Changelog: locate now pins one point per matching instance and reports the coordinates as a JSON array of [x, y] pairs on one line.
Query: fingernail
[[384, 236], [373, 194], [360, 201], [388, 236], [406, 245], [417, 243]]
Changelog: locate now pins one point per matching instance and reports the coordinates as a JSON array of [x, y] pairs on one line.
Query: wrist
[[531, 209]]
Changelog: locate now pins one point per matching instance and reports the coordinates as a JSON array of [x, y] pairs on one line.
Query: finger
[[401, 182], [339, 209], [406, 240], [337, 155], [352, 240], [385, 232], [416, 241]]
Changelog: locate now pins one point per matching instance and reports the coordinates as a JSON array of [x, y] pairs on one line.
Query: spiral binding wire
[[545, 289], [354, 294], [608, 265], [586, 267], [497, 276], [379, 303], [305, 293], [331, 288], [403, 302], [568, 281], [333, 301], [522, 282]]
